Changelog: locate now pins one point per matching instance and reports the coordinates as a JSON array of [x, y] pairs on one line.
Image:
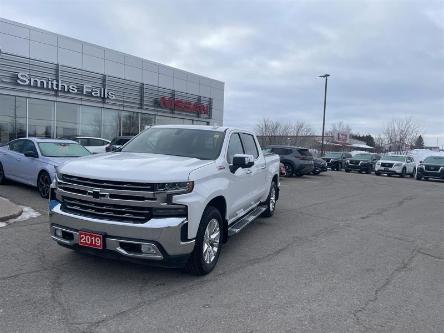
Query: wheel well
[[221, 205]]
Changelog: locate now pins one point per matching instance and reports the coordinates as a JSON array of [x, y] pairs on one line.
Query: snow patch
[[28, 213]]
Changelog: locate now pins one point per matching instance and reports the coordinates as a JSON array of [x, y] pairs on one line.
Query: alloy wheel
[[211, 241], [43, 184]]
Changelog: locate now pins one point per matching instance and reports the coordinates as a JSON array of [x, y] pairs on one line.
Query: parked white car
[[94, 145], [33, 161], [172, 195], [400, 165]]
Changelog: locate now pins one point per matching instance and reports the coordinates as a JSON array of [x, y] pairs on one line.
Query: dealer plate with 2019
[[91, 239]]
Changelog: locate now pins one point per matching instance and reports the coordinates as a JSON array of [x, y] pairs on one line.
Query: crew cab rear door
[[257, 173]]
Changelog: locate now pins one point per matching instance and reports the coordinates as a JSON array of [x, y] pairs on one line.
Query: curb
[[16, 210]]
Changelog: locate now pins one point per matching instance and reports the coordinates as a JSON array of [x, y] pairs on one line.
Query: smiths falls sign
[[25, 79]]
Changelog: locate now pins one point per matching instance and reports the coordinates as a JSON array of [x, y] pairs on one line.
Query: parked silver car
[[33, 161]]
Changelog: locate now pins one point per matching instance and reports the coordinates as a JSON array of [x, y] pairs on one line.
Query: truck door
[[257, 173], [239, 180]]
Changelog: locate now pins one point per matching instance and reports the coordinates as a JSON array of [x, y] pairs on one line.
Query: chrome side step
[[246, 220]]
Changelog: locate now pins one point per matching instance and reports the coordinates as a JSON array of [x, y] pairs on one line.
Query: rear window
[[304, 152], [281, 151]]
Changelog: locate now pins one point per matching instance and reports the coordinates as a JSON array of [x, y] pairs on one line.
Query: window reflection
[[67, 119], [90, 121], [110, 124], [40, 118]]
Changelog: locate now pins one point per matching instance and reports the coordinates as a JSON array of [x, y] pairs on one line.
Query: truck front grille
[[105, 211], [107, 184], [387, 165], [432, 168]]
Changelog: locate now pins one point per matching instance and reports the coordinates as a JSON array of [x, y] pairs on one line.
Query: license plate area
[[386, 169], [91, 239]]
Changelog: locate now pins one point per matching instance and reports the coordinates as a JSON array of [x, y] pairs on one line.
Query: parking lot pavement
[[343, 253]]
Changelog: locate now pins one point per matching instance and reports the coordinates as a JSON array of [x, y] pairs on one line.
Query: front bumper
[[357, 167], [431, 174], [163, 236], [389, 171]]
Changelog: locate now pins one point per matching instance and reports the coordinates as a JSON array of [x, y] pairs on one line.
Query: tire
[[2, 175], [377, 173], [43, 184], [418, 176], [271, 201], [316, 172], [347, 170], [413, 173], [369, 170], [426, 178], [288, 169], [204, 257], [403, 173]]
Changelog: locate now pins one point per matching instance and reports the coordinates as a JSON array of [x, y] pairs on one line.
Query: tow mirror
[[242, 161], [30, 153]]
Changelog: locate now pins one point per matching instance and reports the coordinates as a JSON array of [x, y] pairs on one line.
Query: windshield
[[398, 158], [435, 160], [201, 144], [61, 149], [333, 155], [362, 157]]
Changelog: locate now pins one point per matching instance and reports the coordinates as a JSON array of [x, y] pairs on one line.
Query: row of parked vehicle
[[297, 161], [390, 164]]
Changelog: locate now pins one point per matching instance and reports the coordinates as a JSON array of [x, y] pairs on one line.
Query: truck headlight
[[179, 187], [397, 164]]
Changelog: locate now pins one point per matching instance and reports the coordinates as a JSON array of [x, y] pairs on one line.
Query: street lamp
[[325, 104]]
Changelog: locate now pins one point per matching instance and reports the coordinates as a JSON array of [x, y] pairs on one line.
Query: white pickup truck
[[171, 196]]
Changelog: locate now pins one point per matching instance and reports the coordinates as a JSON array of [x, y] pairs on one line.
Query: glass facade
[[22, 117]]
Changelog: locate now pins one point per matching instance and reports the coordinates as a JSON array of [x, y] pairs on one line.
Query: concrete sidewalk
[[8, 210]]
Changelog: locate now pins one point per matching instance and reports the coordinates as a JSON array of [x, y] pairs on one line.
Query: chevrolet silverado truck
[[171, 196]]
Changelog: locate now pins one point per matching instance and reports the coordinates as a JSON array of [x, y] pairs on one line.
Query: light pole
[[325, 105]]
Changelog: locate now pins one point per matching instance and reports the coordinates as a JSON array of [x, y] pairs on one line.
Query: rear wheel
[[271, 201], [43, 184], [377, 173], [288, 169], [207, 249], [413, 173], [2, 174]]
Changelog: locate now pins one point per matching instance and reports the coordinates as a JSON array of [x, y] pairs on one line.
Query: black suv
[[431, 167], [336, 160], [363, 162], [297, 161]]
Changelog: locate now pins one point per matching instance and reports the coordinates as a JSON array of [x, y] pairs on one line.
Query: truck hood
[[134, 167]]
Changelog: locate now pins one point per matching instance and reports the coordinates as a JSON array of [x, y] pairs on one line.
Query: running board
[[246, 220]]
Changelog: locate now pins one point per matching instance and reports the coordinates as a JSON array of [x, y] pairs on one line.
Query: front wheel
[[403, 172], [43, 184], [207, 248], [271, 201], [413, 173], [377, 173], [2, 174], [418, 176], [316, 172]]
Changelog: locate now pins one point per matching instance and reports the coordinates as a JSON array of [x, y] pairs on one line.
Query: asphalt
[[343, 253]]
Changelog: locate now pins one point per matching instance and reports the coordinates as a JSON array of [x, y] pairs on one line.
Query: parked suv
[[400, 165], [336, 160], [431, 167], [363, 162], [297, 161]]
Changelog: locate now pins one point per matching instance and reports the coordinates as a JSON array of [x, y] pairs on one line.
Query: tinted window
[[28, 145], [83, 142], [249, 145], [17, 146], [234, 147], [96, 142], [281, 151], [200, 144], [439, 160], [304, 152]]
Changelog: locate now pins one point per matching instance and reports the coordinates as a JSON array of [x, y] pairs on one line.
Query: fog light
[[148, 249], [58, 233]]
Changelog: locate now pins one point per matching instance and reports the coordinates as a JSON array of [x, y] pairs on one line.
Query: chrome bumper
[[162, 235]]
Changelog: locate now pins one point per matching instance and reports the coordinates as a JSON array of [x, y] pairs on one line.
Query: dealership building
[[55, 86]]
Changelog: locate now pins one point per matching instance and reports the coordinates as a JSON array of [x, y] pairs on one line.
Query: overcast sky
[[386, 58]]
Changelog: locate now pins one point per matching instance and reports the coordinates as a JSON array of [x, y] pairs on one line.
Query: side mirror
[[30, 153], [242, 161]]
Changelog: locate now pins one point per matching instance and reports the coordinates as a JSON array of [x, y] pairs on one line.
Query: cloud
[[386, 58]]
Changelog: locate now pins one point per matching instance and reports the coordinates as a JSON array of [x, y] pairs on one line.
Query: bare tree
[[401, 133], [273, 131], [339, 127]]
